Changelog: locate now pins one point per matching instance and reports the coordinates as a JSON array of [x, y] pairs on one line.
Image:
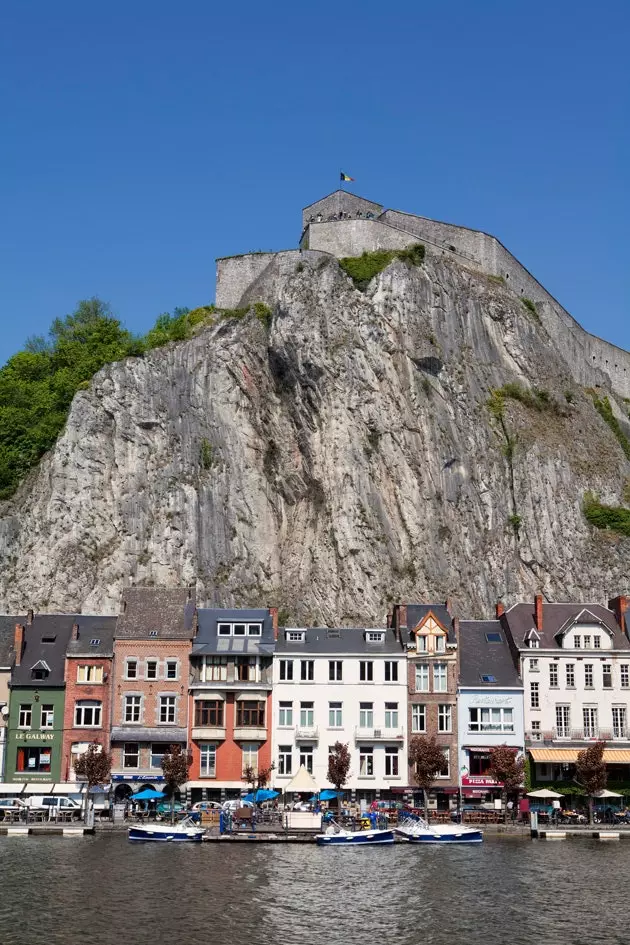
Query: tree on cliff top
[[94, 765], [427, 759], [590, 772], [508, 769]]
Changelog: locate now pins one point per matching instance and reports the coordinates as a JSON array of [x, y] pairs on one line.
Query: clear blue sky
[[143, 139]]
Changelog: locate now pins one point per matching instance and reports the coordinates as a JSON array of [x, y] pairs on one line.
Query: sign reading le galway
[[34, 736]]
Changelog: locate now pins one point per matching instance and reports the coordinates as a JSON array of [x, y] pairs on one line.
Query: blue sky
[[143, 139]]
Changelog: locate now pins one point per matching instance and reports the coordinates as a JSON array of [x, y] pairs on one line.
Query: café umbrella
[[262, 794], [544, 794], [148, 795]]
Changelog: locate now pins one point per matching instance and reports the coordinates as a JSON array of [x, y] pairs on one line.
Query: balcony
[[378, 734], [250, 733], [565, 735], [306, 733], [209, 732]]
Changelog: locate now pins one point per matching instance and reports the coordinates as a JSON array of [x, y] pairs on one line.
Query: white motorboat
[[417, 830], [336, 836], [186, 831]]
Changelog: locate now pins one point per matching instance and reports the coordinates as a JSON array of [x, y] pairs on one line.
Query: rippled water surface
[[104, 891]]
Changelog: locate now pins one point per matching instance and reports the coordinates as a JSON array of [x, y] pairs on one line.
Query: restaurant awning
[[34, 787], [7, 788], [612, 756]]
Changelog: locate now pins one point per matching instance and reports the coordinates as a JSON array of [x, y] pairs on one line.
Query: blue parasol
[[148, 795]]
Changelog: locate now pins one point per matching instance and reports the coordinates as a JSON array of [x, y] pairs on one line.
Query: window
[[439, 677], [40, 670], [254, 629], [157, 753], [534, 666], [391, 762], [307, 670], [131, 669], [391, 671], [366, 715], [89, 674], [619, 721], [153, 633], [597, 642], [484, 719], [487, 678], [306, 757], [49, 639], [335, 670], [587, 641], [285, 759], [33, 759], [445, 771], [247, 668], [285, 714], [570, 675], [238, 629], [151, 672], [208, 761], [444, 718], [366, 670], [534, 695], [375, 636], [132, 708], [25, 716], [536, 732], [391, 715], [286, 670], [131, 755], [590, 721], [534, 644], [440, 644], [249, 757], [577, 642], [225, 630], [422, 677], [250, 714], [421, 643], [295, 636], [209, 712], [563, 721], [307, 714], [494, 637], [607, 676], [624, 673], [87, 714], [335, 714], [47, 716], [588, 675], [94, 642], [418, 718], [171, 669], [553, 675], [366, 762], [214, 669]]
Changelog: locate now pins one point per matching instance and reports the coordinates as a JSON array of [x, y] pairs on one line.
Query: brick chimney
[[538, 612], [402, 616], [619, 606], [75, 631], [499, 609], [274, 620], [29, 617], [389, 621], [18, 643], [456, 629], [447, 604]]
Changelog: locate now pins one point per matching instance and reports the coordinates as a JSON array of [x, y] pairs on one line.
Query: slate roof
[[520, 620], [417, 612], [479, 657], [342, 640], [93, 627], [169, 735], [208, 641], [7, 636], [58, 628], [170, 611]]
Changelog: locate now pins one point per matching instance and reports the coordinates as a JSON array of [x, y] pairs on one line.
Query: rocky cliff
[[345, 455]]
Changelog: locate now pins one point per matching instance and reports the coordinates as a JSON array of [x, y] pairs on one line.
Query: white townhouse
[[489, 704], [575, 667], [344, 685]]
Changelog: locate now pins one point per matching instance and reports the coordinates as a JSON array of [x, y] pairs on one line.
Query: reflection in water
[[103, 891]]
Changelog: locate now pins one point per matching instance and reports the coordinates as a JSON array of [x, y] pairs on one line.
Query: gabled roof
[[36, 652], [520, 620], [586, 616], [41, 664], [480, 654], [144, 610], [416, 613], [340, 192]]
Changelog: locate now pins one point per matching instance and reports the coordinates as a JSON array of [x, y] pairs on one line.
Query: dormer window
[[375, 636], [49, 639], [421, 643], [254, 629], [295, 636], [40, 670], [577, 642], [597, 642], [225, 629], [94, 642], [153, 633], [440, 644], [533, 643], [238, 629]]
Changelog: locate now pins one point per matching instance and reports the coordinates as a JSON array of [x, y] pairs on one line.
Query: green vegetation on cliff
[[609, 517], [605, 411], [363, 268]]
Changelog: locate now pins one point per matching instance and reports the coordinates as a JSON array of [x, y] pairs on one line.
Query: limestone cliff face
[[341, 459]]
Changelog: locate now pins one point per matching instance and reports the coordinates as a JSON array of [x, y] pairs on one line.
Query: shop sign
[[34, 736], [473, 780], [138, 777]]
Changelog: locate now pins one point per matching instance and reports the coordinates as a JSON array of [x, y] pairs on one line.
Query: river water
[[104, 891]]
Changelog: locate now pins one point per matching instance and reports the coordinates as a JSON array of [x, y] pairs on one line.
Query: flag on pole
[[345, 177]]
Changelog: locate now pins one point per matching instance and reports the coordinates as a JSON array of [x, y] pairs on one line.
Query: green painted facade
[[34, 742]]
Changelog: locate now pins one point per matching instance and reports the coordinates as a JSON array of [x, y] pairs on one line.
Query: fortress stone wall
[[343, 224]]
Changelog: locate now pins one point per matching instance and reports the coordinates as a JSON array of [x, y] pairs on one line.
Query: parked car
[[10, 803], [235, 803], [205, 806], [54, 803], [164, 808]]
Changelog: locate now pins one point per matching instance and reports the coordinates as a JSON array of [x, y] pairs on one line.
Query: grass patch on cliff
[[363, 268], [534, 398], [613, 518], [604, 409]]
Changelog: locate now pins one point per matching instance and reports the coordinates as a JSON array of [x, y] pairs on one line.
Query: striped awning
[[612, 756]]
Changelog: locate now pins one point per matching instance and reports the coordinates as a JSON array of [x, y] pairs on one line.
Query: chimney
[[389, 621], [274, 620], [18, 643], [456, 629], [538, 612], [75, 631], [29, 617], [619, 606], [402, 616], [499, 609], [447, 604]]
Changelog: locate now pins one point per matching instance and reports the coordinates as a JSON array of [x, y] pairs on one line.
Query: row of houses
[[239, 691]]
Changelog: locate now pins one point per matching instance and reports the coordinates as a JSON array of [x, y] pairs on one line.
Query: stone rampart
[[235, 274]]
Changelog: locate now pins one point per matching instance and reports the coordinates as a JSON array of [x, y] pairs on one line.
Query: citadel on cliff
[[343, 224]]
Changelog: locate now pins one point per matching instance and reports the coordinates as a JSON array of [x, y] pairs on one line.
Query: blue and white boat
[[186, 831], [336, 836], [417, 830]]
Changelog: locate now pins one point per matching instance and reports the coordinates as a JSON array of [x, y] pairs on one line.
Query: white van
[[54, 803]]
